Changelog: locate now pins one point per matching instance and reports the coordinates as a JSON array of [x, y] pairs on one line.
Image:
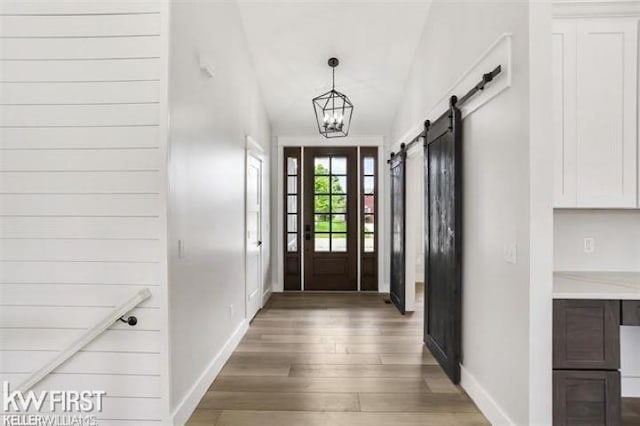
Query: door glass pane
[[321, 184], [368, 243], [368, 166], [292, 185], [338, 223], [321, 165], [338, 204], [292, 223], [338, 165], [369, 223], [321, 204], [369, 204], [368, 184], [292, 242], [292, 204], [321, 223], [322, 242], [292, 166], [339, 242], [339, 184]]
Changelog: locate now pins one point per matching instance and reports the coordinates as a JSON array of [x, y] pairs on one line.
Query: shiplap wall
[[82, 197]]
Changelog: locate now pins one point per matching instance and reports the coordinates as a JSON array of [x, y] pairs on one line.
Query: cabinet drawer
[[586, 334], [586, 398], [631, 312]]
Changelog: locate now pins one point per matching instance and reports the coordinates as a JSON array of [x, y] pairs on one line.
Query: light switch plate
[[510, 253], [589, 245]]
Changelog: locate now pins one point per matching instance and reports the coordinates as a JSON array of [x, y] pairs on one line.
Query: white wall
[[617, 248], [616, 234], [82, 189], [209, 120], [497, 200]]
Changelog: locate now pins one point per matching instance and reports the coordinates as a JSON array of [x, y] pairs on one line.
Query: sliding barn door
[[443, 243], [398, 180]]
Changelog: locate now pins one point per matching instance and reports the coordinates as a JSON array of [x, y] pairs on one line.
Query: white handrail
[[85, 339]]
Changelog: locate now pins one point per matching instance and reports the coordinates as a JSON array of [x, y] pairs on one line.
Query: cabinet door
[[564, 112], [586, 398], [606, 113], [586, 334]]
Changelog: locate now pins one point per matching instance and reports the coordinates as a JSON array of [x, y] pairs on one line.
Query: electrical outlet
[[231, 311], [510, 253], [589, 245]]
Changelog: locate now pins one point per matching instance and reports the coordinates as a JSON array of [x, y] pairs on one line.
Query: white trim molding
[[630, 387], [596, 9], [253, 145], [498, 53], [489, 407], [318, 140], [187, 406]]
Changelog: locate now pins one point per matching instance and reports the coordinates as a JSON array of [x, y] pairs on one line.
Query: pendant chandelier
[[333, 109]]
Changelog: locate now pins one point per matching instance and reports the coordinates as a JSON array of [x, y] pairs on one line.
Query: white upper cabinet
[[595, 113]]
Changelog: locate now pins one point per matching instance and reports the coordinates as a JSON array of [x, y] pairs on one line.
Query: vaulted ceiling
[[291, 41]]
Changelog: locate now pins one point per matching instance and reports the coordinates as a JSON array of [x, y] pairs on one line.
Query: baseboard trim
[[489, 407], [630, 387], [189, 403], [266, 295]]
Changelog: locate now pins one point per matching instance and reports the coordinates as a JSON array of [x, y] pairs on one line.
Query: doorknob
[[259, 243]]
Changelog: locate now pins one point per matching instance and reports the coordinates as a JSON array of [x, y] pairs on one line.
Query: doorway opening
[[330, 218]]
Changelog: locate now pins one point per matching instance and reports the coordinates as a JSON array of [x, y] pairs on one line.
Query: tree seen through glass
[[330, 202]]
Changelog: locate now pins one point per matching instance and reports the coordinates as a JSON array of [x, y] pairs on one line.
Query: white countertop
[[596, 285]]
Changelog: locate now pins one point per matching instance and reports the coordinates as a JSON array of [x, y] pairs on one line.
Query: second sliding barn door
[[330, 219], [397, 166]]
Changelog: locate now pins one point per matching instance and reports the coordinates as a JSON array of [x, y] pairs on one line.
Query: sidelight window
[[292, 204], [369, 203]]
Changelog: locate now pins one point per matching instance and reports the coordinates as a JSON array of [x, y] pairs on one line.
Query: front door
[[254, 236], [330, 219]]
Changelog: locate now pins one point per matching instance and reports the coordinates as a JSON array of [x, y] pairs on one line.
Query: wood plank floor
[[331, 359], [319, 359]]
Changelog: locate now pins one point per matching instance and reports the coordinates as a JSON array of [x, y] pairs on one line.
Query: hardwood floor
[[326, 359], [631, 411], [331, 359]]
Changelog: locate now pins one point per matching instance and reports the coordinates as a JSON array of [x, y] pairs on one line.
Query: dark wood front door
[[443, 240], [330, 219]]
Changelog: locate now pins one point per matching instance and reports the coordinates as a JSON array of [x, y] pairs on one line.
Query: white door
[[254, 236]]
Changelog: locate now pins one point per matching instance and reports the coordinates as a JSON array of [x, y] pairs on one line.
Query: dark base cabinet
[[586, 397], [586, 359], [631, 312]]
